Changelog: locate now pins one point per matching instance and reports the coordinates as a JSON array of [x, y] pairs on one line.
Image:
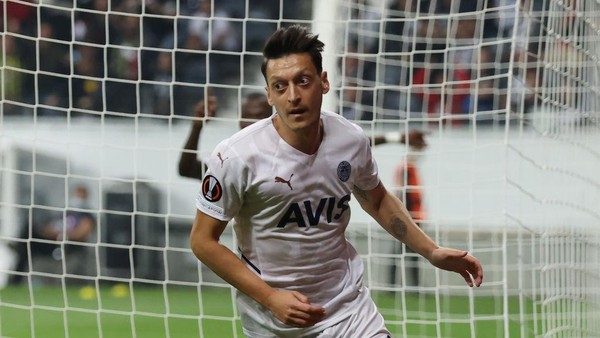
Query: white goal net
[[97, 102]]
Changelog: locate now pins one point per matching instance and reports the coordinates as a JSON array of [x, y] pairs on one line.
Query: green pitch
[[180, 311]]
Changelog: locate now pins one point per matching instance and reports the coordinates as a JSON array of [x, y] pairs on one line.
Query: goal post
[[101, 94]]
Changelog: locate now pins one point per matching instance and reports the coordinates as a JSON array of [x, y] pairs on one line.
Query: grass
[[419, 315], [180, 311], [51, 312]]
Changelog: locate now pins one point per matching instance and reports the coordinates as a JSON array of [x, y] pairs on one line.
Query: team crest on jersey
[[211, 189], [343, 171]]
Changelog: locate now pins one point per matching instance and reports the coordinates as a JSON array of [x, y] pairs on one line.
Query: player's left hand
[[460, 262]]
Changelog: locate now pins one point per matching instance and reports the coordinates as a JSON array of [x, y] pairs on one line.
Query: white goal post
[[101, 94]]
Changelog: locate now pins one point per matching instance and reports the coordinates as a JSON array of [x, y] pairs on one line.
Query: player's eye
[[278, 86], [305, 80]]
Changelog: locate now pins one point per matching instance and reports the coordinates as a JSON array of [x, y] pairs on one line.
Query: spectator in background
[[223, 35], [191, 74], [464, 49], [442, 89], [530, 49], [525, 89], [159, 92], [123, 60], [364, 26], [505, 17], [255, 107], [399, 26], [90, 26], [398, 40], [464, 41], [62, 240], [487, 98], [407, 180], [55, 55], [192, 58], [352, 105], [13, 79], [219, 34], [482, 99], [427, 87], [86, 82], [357, 83], [158, 24], [407, 174], [256, 31], [52, 90], [20, 16]]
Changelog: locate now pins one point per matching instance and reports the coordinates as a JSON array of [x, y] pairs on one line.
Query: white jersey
[[290, 212]]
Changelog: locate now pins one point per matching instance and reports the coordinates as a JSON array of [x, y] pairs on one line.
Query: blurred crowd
[[130, 56], [442, 60], [438, 60]]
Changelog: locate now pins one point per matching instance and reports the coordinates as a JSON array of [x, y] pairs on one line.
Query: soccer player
[[286, 182], [254, 107]]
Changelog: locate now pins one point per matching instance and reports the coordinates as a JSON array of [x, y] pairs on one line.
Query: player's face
[[296, 90]]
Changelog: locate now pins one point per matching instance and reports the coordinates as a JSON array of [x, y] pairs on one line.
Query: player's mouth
[[297, 111]]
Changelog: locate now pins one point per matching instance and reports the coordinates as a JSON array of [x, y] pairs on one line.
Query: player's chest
[[320, 176]]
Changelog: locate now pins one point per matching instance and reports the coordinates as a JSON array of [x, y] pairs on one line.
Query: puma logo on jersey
[[221, 159], [282, 180]]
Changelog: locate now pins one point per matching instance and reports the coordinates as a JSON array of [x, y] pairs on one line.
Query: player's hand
[[460, 262], [205, 108], [294, 309]]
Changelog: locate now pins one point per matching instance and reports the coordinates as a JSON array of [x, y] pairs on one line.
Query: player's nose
[[293, 94]]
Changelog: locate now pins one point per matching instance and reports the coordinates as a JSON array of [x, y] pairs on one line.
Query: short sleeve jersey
[[290, 209]]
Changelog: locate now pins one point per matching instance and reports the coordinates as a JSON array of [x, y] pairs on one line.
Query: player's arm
[[393, 216], [189, 165], [291, 307]]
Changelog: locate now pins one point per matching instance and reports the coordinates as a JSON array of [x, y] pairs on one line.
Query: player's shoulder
[[339, 124], [249, 135], [254, 129]]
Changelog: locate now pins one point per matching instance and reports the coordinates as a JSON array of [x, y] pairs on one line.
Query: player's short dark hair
[[294, 39]]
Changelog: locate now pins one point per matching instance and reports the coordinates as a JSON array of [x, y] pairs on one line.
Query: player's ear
[[324, 82]]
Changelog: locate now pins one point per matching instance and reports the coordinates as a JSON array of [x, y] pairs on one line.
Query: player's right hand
[[294, 309]]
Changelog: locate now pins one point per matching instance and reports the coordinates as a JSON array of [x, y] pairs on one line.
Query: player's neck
[[306, 140]]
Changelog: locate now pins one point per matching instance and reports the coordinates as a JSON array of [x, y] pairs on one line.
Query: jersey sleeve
[[368, 175], [222, 189]]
